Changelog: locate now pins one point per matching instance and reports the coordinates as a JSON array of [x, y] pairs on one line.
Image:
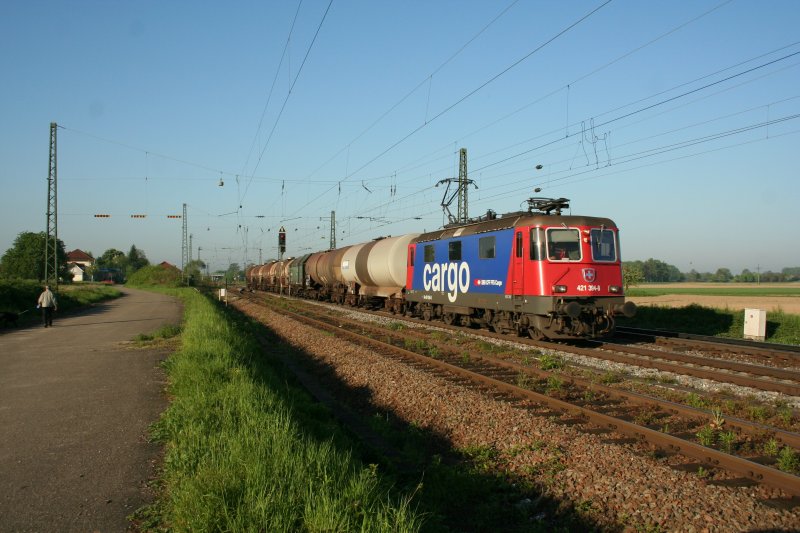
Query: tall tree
[[112, 258], [632, 274], [234, 273], [723, 275], [194, 270], [135, 260], [25, 259], [113, 263]]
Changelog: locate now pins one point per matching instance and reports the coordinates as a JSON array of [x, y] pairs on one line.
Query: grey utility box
[[755, 324]]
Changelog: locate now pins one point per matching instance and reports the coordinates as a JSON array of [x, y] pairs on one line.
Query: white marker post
[[755, 324]]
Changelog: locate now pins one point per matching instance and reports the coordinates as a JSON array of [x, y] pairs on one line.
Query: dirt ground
[[787, 304]]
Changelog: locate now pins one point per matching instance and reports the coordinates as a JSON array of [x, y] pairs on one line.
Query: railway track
[[760, 377], [667, 426], [767, 352]]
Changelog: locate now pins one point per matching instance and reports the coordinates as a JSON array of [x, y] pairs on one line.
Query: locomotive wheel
[[535, 334], [488, 319], [449, 318], [427, 312]]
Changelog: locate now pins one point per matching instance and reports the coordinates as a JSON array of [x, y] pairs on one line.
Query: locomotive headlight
[[559, 288], [615, 289]]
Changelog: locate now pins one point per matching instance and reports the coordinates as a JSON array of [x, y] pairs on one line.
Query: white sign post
[[755, 324]]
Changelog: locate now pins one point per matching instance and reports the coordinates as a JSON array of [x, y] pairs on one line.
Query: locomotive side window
[[486, 247], [429, 255], [563, 244], [518, 244], [411, 257], [537, 244], [604, 245], [454, 250]]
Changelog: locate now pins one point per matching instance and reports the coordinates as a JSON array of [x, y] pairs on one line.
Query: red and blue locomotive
[[535, 272]]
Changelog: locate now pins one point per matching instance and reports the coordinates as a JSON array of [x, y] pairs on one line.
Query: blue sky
[[677, 119]]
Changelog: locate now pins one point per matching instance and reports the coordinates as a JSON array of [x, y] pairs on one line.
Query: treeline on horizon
[[25, 259], [655, 271]]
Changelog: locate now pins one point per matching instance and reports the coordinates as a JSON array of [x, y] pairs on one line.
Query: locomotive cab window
[[563, 244], [537, 244], [454, 250], [430, 257], [486, 248], [604, 245]]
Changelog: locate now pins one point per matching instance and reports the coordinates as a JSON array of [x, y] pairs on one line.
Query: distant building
[[165, 264], [77, 263], [78, 272]]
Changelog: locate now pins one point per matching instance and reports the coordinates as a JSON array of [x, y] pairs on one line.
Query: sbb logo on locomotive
[[447, 277]]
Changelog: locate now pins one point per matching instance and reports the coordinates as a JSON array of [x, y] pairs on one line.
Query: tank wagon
[[534, 273]]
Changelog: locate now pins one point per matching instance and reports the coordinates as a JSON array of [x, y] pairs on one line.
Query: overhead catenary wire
[[471, 93], [427, 79], [596, 70], [272, 87], [647, 107], [560, 139], [489, 173], [288, 94], [653, 151]]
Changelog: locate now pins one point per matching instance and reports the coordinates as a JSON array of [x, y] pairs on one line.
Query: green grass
[[245, 452], [17, 296], [732, 290], [156, 275], [782, 327], [163, 333]]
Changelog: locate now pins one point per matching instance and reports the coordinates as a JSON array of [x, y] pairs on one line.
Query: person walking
[[47, 302]]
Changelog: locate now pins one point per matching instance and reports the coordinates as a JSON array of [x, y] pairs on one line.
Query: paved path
[[75, 406]]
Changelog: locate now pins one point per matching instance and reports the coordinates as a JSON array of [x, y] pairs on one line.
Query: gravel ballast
[[622, 487]]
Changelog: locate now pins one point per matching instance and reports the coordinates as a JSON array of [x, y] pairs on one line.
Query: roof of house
[[79, 255]]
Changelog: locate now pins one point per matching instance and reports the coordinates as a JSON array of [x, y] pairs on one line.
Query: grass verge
[[244, 451], [782, 327], [19, 296]]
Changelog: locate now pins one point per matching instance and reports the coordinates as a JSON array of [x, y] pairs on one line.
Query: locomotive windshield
[[604, 245], [563, 244]]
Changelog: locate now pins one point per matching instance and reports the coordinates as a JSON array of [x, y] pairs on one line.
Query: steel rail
[[749, 346], [724, 364], [746, 426], [733, 366], [713, 458]]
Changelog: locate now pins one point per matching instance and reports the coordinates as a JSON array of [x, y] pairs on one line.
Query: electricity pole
[[462, 214], [184, 243], [51, 242], [463, 187], [333, 230]]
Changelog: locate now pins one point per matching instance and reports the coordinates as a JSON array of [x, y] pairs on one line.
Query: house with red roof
[[77, 262]]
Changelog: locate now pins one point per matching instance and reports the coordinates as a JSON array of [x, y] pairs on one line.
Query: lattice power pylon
[[185, 242], [462, 214], [51, 242], [463, 187], [333, 230]]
